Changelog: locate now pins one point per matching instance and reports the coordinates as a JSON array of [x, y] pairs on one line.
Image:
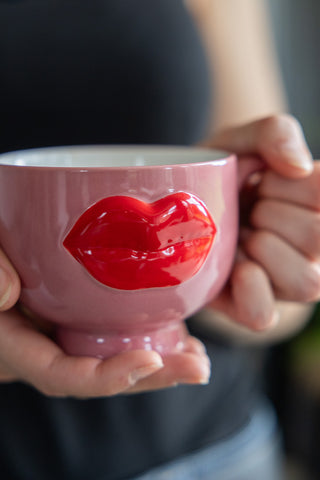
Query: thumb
[[278, 140], [9, 283]]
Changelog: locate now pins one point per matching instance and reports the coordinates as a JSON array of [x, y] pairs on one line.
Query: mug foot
[[79, 343]]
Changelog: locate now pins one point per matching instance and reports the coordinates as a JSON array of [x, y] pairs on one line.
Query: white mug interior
[[102, 156]]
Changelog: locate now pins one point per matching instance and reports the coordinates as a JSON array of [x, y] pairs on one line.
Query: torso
[[112, 71]]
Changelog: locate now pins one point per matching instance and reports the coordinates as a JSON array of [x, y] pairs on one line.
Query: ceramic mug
[[115, 245]]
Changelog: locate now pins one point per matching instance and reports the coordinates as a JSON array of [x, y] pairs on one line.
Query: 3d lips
[[128, 244]]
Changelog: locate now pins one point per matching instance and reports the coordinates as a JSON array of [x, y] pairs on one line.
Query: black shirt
[[109, 71], [101, 71]]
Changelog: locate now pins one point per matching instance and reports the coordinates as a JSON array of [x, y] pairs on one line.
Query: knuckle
[[309, 286], [238, 274], [314, 188], [261, 213], [120, 386], [49, 391], [288, 121], [266, 185], [313, 235], [256, 213], [279, 127], [257, 242], [49, 388], [282, 122]]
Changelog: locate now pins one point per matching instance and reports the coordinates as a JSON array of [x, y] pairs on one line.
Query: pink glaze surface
[[51, 227]]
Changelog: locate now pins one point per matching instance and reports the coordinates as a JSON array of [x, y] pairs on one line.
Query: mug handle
[[248, 191], [247, 167]]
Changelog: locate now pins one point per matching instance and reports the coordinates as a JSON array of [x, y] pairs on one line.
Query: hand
[[28, 354], [279, 251], [9, 283]]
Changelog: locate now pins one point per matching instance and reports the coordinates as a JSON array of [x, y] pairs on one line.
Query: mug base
[[104, 345]]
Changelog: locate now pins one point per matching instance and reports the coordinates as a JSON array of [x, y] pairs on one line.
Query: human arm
[[247, 86], [242, 57], [276, 275]]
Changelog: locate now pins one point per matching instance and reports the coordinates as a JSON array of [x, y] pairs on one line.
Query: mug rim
[[132, 157]]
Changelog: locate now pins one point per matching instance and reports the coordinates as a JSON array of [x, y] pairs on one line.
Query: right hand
[[28, 354]]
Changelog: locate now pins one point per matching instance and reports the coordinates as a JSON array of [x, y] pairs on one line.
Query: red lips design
[[128, 244]]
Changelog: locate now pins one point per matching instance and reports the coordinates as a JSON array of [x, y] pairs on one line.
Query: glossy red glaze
[[128, 244]]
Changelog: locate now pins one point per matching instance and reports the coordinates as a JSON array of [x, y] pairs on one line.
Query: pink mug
[[116, 246]]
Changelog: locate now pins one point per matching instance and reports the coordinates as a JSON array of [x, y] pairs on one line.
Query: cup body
[[45, 194]]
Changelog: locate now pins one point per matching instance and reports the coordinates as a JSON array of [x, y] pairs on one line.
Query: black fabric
[[116, 438], [108, 71], [119, 71]]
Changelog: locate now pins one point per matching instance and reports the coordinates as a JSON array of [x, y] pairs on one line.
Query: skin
[[27, 353], [284, 224]]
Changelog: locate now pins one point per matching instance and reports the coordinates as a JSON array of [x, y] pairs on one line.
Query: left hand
[[28, 354], [279, 254]]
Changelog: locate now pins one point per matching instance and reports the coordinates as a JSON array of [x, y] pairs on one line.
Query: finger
[[278, 139], [293, 275], [6, 377], [304, 191], [300, 227], [194, 345], [248, 297], [9, 283], [30, 356], [191, 366], [253, 300]]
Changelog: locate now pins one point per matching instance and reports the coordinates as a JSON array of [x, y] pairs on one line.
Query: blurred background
[[296, 26], [294, 367]]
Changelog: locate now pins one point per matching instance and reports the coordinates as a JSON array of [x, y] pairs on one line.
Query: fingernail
[[143, 372], [202, 379], [5, 287], [200, 348], [205, 377], [316, 267], [297, 155], [264, 322], [275, 319]]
